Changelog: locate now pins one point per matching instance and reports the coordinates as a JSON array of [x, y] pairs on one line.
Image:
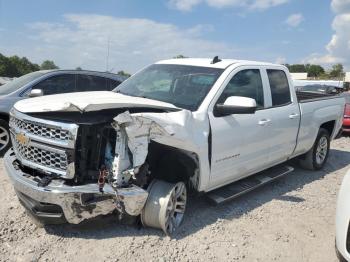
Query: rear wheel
[[4, 137], [318, 154], [165, 206]]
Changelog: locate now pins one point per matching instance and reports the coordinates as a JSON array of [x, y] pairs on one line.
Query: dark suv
[[48, 83]]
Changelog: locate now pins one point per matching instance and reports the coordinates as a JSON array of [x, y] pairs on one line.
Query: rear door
[[284, 114], [240, 142], [91, 83]]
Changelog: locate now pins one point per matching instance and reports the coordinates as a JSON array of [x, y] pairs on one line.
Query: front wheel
[[318, 154], [165, 206], [4, 137]]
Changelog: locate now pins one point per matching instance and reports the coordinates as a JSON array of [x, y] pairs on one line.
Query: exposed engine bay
[[135, 154]]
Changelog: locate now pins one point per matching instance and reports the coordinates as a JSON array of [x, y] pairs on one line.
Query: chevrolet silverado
[[220, 127]]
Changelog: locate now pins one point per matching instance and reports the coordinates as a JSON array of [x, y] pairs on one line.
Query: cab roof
[[207, 62]]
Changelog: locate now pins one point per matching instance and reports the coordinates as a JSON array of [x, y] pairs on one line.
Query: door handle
[[264, 122], [293, 116]]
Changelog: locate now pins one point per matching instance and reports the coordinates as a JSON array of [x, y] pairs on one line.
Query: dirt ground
[[291, 219]]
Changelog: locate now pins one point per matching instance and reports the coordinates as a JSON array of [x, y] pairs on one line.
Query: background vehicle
[[342, 236], [49, 82], [319, 86], [346, 119], [223, 127]]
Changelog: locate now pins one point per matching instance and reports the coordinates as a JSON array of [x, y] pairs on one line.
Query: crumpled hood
[[87, 101]]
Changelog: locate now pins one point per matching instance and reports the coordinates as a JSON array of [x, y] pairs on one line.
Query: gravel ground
[[291, 219]]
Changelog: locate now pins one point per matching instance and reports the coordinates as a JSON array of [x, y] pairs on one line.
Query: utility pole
[[107, 58]]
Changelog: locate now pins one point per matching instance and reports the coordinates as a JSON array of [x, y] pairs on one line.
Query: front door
[[240, 142]]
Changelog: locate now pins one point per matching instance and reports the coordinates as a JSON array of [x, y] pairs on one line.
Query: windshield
[[181, 85], [19, 82]]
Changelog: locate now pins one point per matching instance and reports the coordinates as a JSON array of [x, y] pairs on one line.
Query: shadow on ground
[[202, 213]]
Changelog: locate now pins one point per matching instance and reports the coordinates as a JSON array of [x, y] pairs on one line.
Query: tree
[[23, 65], [314, 70], [297, 68], [6, 67], [14, 66], [337, 71], [78, 68], [48, 64], [123, 73], [180, 56]]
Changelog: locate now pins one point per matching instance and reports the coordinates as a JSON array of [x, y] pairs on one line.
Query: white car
[[342, 237], [200, 124]]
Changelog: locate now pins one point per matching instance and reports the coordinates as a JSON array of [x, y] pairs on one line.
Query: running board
[[248, 184]]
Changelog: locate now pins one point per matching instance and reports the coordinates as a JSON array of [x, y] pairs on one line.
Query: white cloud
[[184, 5], [341, 6], [317, 58], [280, 60], [338, 49], [294, 20], [82, 40], [188, 5], [265, 4]]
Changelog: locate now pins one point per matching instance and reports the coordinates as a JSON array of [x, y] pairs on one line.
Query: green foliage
[[15, 66], [296, 68], [123, 73], [48, 65], [180, 56], [337, 71], [314, 70]]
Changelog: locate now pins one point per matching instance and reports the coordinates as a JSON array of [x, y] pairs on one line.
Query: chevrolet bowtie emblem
[[22, 139]]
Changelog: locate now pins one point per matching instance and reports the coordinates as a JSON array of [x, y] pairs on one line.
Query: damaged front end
[[125, 168], [113, 169]]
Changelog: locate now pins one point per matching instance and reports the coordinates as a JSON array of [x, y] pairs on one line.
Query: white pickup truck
[[222, 127]]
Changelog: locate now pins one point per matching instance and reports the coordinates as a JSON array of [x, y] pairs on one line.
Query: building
[[347, 77], [299, 76]]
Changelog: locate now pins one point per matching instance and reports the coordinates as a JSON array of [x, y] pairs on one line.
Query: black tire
[[5, 142], [311, 159]]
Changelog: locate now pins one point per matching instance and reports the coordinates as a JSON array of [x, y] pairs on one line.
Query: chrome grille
[[40, 130], [46, 146], [55, 160]]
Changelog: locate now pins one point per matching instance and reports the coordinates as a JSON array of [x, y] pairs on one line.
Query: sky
[[127, 35]]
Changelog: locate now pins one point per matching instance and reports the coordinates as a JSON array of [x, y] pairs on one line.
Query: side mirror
[[236, 105], [36, 93]]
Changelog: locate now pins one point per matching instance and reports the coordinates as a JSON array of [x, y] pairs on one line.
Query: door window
[[91, 83], [246, 83], [57, 84], [113, 84], [279, 86]]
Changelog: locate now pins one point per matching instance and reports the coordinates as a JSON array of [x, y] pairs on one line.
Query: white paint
[[343, 217], [207, 62], [85, 102], [241, 144], [240, 101]]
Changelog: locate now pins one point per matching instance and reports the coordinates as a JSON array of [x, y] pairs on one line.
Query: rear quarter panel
[[313, 115]]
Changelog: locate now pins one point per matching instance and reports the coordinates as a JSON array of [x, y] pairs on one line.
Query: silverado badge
[[22, 139]]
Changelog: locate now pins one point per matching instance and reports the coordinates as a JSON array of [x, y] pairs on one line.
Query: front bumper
[[77, 203]]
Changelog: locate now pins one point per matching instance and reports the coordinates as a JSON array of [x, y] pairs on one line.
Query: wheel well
[[329, 126], [172, 164], [4, 116]]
